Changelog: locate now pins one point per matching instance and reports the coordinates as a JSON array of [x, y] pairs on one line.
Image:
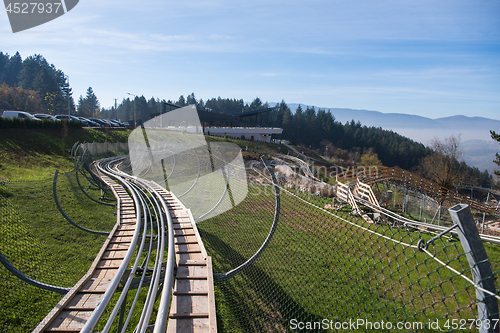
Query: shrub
[[28, 123]]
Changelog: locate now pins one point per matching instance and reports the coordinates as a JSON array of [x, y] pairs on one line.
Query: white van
[[18, 114]]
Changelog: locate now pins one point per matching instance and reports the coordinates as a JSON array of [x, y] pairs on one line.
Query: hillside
[[474, 131], [32, 154], [416, 127]]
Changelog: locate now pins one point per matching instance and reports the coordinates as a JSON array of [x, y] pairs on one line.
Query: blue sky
[[430, 58]]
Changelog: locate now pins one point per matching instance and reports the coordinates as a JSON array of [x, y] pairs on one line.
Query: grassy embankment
[[318, 266], [34, 237], [314, 264], [33, 154]]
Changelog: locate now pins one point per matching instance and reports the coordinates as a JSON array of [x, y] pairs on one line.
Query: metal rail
[[63, 213], [380, 173], [137, 255], [148, 202], [17, 273], [411, 223], [225, 276], [77, 162]]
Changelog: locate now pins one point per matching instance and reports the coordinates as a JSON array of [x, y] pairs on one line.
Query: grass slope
[[318, 266], [36, 239], [33, 154]]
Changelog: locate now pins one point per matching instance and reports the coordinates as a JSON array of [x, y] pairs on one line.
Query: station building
[[256, 125]]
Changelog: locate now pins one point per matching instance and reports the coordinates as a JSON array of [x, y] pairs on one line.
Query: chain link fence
[[328, 270], [323, 268], [424, 208], [41, 244]]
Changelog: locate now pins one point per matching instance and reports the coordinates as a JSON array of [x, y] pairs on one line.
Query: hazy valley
[[476, 143]]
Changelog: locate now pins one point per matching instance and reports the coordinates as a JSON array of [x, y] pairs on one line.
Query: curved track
[[153, 249], [378, 174], [358, 193]]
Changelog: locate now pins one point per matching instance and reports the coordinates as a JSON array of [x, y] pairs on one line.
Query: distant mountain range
[[476, 144]]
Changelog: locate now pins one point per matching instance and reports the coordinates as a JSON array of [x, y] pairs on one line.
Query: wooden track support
[[193, 301], [76, 307]]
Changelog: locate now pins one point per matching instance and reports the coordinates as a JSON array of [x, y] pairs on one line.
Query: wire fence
[[424, 208], [40, 243], [327, 270], [323, 269]]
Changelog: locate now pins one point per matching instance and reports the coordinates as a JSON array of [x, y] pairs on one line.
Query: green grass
[[34, 154], [34, 235], [318, 266], [40, 243]]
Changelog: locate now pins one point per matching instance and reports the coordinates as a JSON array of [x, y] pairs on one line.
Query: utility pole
[[116, 111], [69, 109], [135, 118]]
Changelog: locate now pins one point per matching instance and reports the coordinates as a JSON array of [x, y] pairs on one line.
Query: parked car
[[88, 122], [18, 114], [111, 123], [105, 121], [67, 117], [116, 123], [43, 116], [100, 122]]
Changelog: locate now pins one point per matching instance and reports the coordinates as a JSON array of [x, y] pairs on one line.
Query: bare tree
[[443, 166], [496, 137]]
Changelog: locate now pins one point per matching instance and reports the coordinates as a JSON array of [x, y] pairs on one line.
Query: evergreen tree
[[284, 115], [49, 82], [13, 69], [66, 92], [224, 106], [89, 106], [4, 61], [181, 101], [125, 111], [200, 105], [496, 137], [255, 105], [190, 99], [141, 109], [154, 106], [297, 124]]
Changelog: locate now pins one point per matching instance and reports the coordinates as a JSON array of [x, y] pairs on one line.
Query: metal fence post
[[482, 273]]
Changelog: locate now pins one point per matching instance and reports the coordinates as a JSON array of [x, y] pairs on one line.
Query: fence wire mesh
[[424, 208], [324, 270], [40, 243]]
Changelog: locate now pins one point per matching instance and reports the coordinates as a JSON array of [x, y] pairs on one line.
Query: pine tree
[[87, 106], [181, 101], [4, 61], [190, 99], [141, 109], [38, 75], [496, 137], [12, 70], [256, 104]]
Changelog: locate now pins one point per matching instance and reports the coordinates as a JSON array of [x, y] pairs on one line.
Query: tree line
[[33, 85], [36, 86]]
